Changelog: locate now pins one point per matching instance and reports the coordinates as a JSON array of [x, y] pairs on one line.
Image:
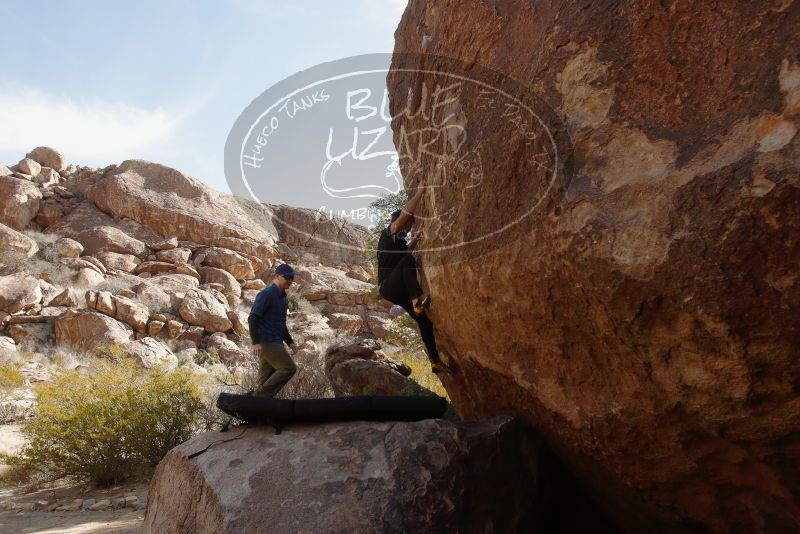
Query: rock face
[[648, 319], [429, 476]]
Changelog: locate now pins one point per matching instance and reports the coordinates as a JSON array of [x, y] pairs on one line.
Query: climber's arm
[[407, 213]]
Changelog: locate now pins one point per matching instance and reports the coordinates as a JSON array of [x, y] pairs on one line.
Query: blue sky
[[164, 80]]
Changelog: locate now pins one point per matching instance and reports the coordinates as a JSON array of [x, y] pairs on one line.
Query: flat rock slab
[[426, 476]]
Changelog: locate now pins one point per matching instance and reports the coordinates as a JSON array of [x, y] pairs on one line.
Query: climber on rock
[[397, 278], [268, 332]]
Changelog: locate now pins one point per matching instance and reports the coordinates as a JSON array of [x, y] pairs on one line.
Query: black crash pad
[[264, 410]]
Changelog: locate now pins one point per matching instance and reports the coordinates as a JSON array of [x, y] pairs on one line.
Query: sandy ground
[[116, 522], [43, 522]]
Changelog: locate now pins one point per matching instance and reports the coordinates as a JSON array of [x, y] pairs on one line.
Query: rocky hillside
[[144, 261], [647, 319]]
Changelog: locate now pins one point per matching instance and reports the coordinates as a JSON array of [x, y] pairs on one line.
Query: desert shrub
[[107, 425], [38, 267], [11, 378], [117, 284], [42, 239], [207, 357], [420, 373], [403, 332], [114, 352], [45, 243], [298, 303]]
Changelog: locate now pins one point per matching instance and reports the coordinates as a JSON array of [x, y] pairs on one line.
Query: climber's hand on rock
[[293, 348], [257, 350]]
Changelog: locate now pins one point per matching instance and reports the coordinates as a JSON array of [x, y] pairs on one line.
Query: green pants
[[275, 368]]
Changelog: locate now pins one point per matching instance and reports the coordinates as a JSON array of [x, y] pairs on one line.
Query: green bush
[[107, 425], [11, 378], [207, 357]]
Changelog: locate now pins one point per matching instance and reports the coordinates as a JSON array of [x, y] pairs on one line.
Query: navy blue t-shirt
[[268, 316]]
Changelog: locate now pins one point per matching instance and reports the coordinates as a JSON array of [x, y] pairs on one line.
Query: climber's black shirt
[[390, 252]]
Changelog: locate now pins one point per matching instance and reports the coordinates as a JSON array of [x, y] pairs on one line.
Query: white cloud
[[30, 117]]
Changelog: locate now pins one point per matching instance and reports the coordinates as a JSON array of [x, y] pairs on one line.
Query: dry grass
[[421, 372]]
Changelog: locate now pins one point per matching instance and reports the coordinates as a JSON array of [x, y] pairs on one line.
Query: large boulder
[[88, 278], [19, 202], [64, 247], [239, 266], [362, 368], [132, 313], [90, 332], [310, 326], [174, 255], [97, 231], [206, 308], [110, 239], [332, 239], [327, 283], [426, 476], [164, 292], [19, 292], [12, 241], [29, 167], [121, 262], [644, 315], [149, 353], [222, 277], [48, 157], [172, 203], [346, 323]]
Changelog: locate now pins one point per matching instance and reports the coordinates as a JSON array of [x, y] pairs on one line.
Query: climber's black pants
[[399, 287]]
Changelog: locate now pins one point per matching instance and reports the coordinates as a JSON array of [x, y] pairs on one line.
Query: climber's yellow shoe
[[421, 304]]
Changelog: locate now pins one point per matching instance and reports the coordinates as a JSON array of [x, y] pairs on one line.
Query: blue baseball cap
[[285, 270]]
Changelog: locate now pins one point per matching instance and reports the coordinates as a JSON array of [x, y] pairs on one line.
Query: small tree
[[383, 208], [106, 425]]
